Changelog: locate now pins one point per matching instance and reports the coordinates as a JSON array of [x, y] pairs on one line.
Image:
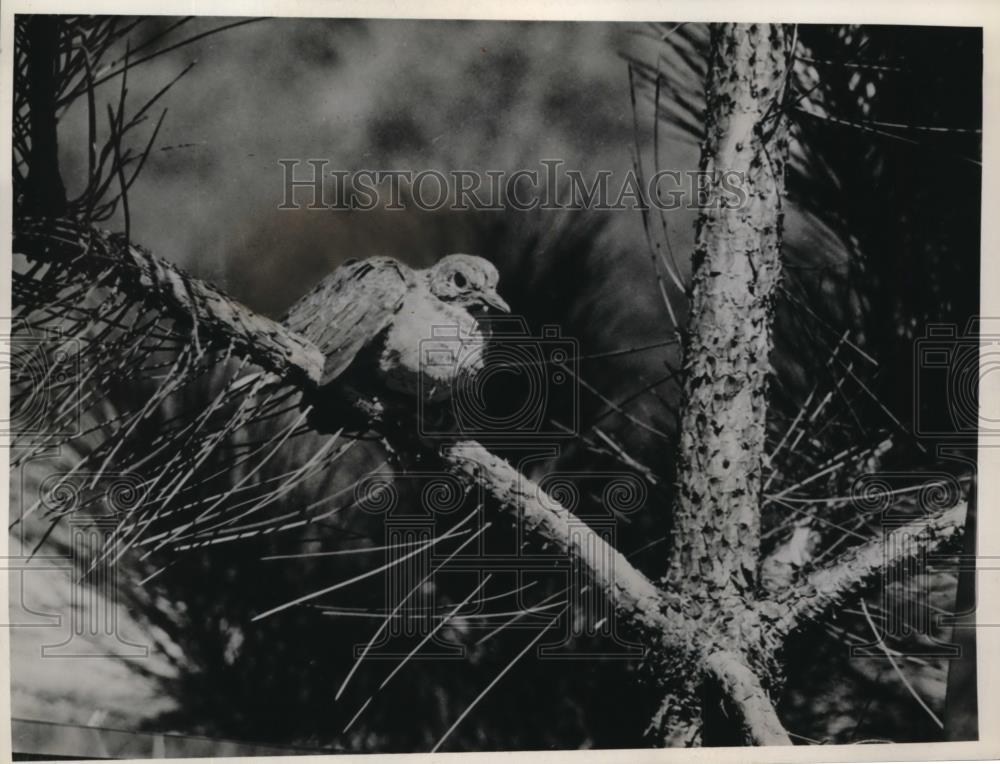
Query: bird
[[414, 332]]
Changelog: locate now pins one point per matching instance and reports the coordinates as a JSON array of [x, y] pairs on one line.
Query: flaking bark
[[737, 267]]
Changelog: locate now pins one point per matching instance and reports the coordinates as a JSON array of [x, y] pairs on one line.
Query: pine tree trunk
[[736, 269]]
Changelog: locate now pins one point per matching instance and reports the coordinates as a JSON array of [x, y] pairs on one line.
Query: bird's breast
[[431, 347]]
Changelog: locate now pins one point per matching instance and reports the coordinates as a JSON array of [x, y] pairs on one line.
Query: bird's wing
[[350, 308]]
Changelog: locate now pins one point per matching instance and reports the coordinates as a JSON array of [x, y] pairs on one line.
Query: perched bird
[[411, 331]]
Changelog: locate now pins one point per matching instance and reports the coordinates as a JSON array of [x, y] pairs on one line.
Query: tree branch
[[214, 319], [217, 321], [743, 691], [831, 585], [634, 597]]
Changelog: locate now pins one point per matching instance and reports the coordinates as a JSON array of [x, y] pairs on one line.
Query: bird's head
[[468, 281]]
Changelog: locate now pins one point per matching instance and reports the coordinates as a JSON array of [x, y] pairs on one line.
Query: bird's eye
[[459, 279]]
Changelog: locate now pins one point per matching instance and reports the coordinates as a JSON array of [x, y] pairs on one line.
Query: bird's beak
[[494, 300]]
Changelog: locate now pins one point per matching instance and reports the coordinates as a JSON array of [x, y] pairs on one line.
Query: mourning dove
[[413, 331]]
